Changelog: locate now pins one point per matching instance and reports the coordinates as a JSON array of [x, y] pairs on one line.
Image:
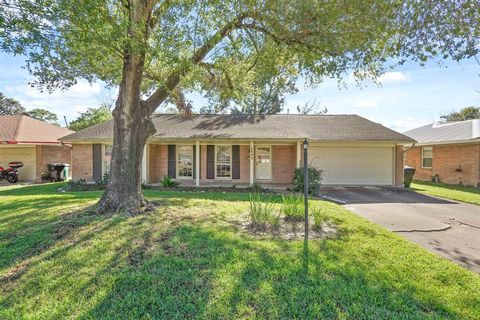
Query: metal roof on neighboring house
[[456, 131], [24, 129], [280, 126]]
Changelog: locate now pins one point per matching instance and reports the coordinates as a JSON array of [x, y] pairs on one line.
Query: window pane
[[223, 156], [107, 158], [185, 161], [427, 162]]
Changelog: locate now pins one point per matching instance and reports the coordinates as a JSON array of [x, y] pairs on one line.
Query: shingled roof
[[228, 126], [458, 131], [24, 129]]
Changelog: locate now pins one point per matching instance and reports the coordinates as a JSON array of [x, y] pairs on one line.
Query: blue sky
[[409, 96]]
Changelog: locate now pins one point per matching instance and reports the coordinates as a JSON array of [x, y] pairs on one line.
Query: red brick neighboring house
[[244, 149], [33, 142], [447, 151]]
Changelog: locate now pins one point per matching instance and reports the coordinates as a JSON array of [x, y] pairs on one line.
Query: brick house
[[243, 149], [448, 151], [33, 142]]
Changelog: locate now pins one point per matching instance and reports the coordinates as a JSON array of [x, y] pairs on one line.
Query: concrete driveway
[[448, 228]]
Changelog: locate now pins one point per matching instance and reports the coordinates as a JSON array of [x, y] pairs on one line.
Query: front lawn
[[189, 259], [454, 192]]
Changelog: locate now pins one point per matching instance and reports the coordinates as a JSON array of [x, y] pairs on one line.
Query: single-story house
[[446, 151], [33, 142], [244, 149]]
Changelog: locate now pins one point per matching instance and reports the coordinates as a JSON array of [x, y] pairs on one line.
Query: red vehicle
[[10, 173]]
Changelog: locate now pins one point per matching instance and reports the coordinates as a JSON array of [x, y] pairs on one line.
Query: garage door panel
[[27, 155], [354, 165]]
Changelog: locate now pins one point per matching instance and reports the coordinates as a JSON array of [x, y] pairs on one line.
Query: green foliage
[[454, 192], [314, 180], [53, 247], [10, 106], [318, 218], [43, 115], [220, 47], [262, 213], [168, 182], [467, 113], [102, 182], [91, 117], [293, 207], [256, 188]]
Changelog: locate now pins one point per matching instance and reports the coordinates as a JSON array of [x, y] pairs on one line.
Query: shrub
[[262, 213], [168, 182], [292, 207], [102, 182], [314, 179], [256, 188], [315, 212]]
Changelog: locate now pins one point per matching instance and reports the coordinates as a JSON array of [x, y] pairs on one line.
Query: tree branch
[[174, 78]]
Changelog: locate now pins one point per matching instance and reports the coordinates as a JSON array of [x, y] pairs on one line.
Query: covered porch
[[223, 163]]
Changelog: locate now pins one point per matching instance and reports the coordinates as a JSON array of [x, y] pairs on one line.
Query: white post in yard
[[299, 157], [144, 164], [197, 163], [252, 164]]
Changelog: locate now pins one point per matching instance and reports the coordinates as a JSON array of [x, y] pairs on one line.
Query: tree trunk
[[132, 127]]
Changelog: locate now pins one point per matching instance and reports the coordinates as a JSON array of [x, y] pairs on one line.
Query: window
[[427, 157], [107, 157], [223, 159], [185, 161]]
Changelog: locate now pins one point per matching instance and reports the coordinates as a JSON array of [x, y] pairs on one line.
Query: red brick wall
[[82, 162], [446, 159], [50, 154], [283, 163], [158, 162], [399, 165]]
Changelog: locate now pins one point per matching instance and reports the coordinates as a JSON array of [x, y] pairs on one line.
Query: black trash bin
[[56, 171], [408, 173]]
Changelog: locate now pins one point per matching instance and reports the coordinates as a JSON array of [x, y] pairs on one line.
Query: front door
[[263, 163]]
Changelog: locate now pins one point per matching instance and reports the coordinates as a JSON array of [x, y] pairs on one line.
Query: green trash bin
[[408, 173], [65, 171]]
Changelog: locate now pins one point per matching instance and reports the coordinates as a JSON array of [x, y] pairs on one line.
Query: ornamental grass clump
[[317, 218], [292, 208], [262, 213]]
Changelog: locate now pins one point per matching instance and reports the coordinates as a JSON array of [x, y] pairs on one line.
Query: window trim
[[215, 169], [423, 157], [177, 150]]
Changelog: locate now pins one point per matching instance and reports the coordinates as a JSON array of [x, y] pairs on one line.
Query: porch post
[[197, 163], [252, 163], [144, 164], [299, 157]]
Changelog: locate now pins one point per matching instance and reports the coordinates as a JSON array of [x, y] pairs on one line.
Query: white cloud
[[395, 76], [367, 104], [405, 124], [82, 89]]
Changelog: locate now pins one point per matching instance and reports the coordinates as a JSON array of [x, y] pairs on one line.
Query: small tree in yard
[[157, 50]]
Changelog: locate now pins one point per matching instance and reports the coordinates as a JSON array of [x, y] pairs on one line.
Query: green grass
[[189, 259], [454, 192]]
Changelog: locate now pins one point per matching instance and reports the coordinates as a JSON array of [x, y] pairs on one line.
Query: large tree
[[467, 113], [153, 48], [10, 106], [90, 117], [42, 115]]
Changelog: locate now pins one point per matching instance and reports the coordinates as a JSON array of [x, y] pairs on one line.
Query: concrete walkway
[[448, 228]]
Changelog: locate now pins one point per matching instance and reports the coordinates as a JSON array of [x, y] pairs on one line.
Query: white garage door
[[353, 165], [23, 154]]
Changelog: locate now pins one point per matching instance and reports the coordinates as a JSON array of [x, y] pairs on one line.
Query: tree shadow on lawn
[[206, 273]]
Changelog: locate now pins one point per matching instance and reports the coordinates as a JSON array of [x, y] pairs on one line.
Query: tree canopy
[[219, 47], [90, 117], [9, 106], [43, 115], [467, 113]]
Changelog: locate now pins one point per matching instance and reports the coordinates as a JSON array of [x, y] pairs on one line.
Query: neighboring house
[[33, 142], [447, 150], [245, 149]]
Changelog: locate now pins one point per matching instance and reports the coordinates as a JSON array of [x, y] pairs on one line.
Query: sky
[[408, 97]]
